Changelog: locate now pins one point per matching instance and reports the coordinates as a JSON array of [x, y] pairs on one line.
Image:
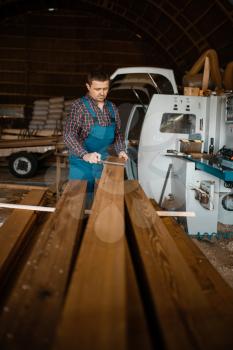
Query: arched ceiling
[[180, 30], [172, 33]]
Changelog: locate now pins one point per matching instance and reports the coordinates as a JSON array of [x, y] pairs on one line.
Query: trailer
[[24, 155]]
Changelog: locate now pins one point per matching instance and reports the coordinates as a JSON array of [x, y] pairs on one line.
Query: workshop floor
[[218, 251], [45, 176]]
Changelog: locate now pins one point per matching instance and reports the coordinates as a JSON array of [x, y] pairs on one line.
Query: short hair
[[98, 75]]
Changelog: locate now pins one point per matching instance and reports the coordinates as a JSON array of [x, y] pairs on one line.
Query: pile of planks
[[123, 278], [12, 111]]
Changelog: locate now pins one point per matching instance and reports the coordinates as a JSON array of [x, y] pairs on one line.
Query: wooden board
[[31, 310], [36, 142], [21, 187], [186, 317], [15, 230], [103, 310], [32, 133], [219, 293], [27, 207]]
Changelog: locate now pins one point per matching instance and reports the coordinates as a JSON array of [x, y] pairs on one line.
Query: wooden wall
[[45, 54]]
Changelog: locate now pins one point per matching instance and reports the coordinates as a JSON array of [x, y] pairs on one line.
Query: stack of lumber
[[19, 134], [11, 111], [45, 141], [128, 279]]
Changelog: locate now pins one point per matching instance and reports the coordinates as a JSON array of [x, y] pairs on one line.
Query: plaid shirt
[[79, 122]]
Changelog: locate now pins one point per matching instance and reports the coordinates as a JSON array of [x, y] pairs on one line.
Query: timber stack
[[124, 278]]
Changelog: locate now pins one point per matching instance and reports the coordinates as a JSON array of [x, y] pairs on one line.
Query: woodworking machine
[[154, 128]]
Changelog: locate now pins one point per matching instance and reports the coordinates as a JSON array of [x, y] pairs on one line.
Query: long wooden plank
[[31, 310], [15, 229], [103, 310], [27, 133], [45, 141], [21, 187], [186, 318], [27, 207], [219, 293]]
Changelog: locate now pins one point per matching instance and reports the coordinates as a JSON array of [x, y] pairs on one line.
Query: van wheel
[[23, 164]]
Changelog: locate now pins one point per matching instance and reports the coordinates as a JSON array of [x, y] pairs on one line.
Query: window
[[178, 123], [136, 124]]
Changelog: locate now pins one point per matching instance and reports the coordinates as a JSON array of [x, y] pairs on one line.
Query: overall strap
[[111, 111], [88, 106]]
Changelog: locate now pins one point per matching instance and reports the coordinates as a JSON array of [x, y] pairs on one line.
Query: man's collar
[[94, 101]]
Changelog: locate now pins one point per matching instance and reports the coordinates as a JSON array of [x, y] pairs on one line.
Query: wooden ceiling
[[46, 52]]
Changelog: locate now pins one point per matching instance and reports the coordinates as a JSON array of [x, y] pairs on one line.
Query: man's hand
[[123, 155], [92, 157]]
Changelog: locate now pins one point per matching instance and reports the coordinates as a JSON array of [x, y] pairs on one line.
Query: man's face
[[98, 90]]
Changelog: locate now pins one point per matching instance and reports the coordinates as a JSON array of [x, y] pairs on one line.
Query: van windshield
[[149, 83]]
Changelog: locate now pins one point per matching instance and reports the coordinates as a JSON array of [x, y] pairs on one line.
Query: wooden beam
[[186, 318], [38, 293], [103, 310]]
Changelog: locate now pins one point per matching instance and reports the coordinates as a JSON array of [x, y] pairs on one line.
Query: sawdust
[[220, 255]]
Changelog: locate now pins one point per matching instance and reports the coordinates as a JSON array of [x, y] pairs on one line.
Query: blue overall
[[98, 140]]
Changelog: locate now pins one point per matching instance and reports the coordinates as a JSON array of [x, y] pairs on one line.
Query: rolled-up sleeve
[[72, 131]]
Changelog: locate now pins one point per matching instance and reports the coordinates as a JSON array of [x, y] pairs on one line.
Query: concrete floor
[[45, 176]]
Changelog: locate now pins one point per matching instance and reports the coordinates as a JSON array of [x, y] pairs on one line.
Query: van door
[[132, 137]]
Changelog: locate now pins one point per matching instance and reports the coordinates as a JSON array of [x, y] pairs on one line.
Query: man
[[91, 127]]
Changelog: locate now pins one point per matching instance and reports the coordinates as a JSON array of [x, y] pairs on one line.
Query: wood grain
[[45, 141], [186, 317], [15, 230], [22, 187], [27, 207], [219, 293], [31, 310], [103, 309]]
